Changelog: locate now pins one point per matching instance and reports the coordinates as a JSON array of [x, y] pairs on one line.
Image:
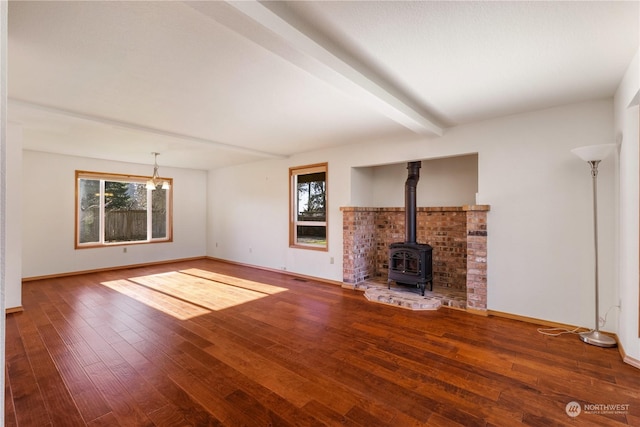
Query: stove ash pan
[[411, 264]]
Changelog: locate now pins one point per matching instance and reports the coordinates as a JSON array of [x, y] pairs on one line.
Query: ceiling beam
[[140, 128], [330, 63]]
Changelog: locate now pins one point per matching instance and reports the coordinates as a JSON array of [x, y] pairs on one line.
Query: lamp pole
[[593, 155]]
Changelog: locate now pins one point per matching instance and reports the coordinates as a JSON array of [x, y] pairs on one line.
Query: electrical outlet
[[250, 250], [331, 260], [124, 250]]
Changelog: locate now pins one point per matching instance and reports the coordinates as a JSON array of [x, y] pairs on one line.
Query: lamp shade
[[590, 153]]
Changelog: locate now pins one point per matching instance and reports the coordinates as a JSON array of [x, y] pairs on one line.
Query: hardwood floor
[[206, 343]]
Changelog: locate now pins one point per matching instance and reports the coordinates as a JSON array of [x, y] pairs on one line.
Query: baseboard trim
[[630, 360], [539, 321], [17, 309], [475, 311], [99, 270], [275, 270]]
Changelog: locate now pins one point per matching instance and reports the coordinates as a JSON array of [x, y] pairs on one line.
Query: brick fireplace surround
[[458, 236]]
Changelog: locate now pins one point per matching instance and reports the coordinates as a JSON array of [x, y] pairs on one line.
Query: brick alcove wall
[[458, 236]]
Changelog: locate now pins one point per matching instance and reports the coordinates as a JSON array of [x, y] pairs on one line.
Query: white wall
[[48, 216], [248, 208], [362, 186], [540, 240], [13, 215], [626, 129], [3, 185], [451, 181]]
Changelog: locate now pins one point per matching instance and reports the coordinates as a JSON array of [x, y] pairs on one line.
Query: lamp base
[[598, 338]]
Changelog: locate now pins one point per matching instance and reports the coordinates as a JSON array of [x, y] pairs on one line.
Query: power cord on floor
[[555, 332]]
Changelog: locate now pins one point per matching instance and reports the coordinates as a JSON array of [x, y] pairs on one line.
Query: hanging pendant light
[[153, 183]]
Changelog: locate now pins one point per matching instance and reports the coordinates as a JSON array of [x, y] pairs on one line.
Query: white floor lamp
[[593, 154]]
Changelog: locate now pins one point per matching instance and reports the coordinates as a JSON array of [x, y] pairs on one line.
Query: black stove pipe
[[410, 208]]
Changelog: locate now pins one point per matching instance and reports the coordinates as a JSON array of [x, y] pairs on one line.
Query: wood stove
[[411, 263]]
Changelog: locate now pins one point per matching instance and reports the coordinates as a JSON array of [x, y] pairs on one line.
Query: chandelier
[[155, 180]]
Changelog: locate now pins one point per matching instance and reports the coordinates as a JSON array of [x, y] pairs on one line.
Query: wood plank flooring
[[204, 343]]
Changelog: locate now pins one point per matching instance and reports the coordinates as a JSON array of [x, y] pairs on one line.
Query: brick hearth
[[458, 236]]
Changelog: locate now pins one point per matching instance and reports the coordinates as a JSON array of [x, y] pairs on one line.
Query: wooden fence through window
[[123, 226]]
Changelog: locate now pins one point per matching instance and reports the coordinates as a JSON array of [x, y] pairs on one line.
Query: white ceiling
[[210, 84]]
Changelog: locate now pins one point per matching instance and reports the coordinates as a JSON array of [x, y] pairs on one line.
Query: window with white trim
[[308, 207], [114, 209]]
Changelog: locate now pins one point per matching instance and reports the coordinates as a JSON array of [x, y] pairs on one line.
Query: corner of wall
[[627, 133]]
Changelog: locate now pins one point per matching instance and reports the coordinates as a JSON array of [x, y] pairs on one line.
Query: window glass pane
[[159, 214], [311, 199], [125, 212], [312, 235], [89, 211]]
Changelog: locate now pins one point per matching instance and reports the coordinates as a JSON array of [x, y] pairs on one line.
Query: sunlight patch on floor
[[189, 293], [235, 281]]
